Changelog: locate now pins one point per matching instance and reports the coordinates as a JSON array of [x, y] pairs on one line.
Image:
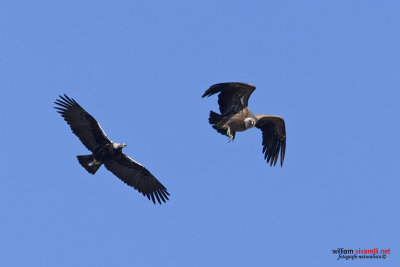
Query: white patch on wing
[[242, 100]]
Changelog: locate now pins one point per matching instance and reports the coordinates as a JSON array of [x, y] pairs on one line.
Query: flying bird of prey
[[106, 152], [236, 117]]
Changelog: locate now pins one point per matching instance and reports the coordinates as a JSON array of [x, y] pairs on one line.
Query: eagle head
[[249, 123], [119, 145]]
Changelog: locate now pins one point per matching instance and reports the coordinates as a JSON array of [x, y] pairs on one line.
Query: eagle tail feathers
[[220, 130], [89, 163], [214, 117]]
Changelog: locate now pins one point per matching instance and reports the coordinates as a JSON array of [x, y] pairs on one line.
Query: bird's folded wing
[[233, 96], [274, 137]]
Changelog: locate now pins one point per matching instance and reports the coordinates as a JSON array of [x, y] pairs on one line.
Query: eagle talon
[[228, 133]]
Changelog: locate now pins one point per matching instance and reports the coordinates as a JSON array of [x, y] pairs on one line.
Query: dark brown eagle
[[107, 152], [236, 117]]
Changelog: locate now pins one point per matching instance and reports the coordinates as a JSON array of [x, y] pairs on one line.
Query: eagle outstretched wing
[[274, 137], [137, 176], [82, 123], [233, 96]]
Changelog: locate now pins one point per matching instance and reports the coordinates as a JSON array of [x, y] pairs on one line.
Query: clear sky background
[[330, 68]]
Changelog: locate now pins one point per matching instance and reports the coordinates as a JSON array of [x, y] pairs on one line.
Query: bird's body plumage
[[236, 117], [236, 122], [106, 152]]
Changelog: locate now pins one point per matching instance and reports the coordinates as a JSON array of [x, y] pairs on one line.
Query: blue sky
[[330, 68]]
